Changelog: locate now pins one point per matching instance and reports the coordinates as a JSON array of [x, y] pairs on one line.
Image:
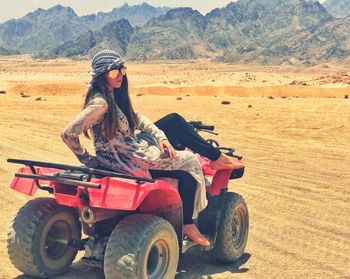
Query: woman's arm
[[90, 116], [146, 125]]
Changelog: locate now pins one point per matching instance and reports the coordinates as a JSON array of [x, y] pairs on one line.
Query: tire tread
[[21, 237], [128, 236], [223, 250]]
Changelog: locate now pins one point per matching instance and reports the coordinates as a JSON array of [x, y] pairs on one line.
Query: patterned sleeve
[[147, 126], [90, 116]]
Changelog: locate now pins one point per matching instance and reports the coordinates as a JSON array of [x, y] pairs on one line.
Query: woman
[[109, 114]]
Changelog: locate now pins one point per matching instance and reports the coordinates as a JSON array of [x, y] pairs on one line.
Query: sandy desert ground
[[291, 125]]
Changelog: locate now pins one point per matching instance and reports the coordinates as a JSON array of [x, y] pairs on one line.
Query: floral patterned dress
[[131, 153]]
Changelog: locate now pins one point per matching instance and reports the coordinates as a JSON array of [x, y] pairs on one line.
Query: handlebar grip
[[198, 125], [207, 127]]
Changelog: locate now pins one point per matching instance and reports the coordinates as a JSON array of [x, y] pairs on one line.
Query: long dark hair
[[121, 98]]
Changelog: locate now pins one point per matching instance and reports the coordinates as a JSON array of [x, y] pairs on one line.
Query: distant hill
[[250, 31], [176, 35], [328, 42], [338, 8], [115, 35], [4, 51], [137, 15], [265, 31], [42, 29], [247, 31]]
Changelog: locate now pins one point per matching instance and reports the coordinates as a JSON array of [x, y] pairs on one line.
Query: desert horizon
[[290, 124]]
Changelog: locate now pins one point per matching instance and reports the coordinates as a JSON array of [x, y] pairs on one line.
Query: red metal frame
[[28, 186], [118, 193]]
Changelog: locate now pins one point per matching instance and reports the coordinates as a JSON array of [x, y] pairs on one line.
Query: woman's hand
[[92, 163], [88, 160], [170, 149]]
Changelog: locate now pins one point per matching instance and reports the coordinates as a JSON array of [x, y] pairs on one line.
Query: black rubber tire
[[232, 238], [132, 249], [31, 244]]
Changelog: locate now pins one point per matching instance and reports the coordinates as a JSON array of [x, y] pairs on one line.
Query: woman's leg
[[187, 190], [178, 130]]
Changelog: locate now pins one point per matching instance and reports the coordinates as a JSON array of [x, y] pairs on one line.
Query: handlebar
[[207, 127], [200, 126]]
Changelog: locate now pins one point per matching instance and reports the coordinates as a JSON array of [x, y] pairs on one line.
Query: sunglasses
[[115, 72]]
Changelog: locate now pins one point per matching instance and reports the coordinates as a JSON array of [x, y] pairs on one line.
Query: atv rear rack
[[69, 180]]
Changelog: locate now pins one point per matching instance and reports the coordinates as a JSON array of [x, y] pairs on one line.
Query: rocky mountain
[[41, 29], [4, 51], [176, 35], [137, 15], [263, 30], [330, 41], [249, 31], [115, 35], [258, 31], [338, 8]]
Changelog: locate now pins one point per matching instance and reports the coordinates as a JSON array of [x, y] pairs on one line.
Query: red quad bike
[[132, 225]]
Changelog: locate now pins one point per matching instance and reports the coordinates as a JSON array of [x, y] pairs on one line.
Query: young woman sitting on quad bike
[[150, 153]]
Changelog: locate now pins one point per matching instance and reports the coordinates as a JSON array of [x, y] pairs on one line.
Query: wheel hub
[[238, 224], [158, 260], [56, 244]]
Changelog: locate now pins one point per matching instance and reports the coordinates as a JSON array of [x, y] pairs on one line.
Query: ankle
[[222, 159]]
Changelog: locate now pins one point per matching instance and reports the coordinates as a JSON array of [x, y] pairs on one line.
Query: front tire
[[142, 247], [232, 233], [38, 239]]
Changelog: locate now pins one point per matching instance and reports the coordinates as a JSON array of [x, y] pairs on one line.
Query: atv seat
[[172, 181]]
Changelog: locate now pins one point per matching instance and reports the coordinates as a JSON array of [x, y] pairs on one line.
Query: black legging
[[187, 186], [178, 131]]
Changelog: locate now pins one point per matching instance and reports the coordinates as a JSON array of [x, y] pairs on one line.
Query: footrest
[[187, 243]]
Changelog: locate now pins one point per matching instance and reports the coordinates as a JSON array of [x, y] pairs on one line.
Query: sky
[[19, 8]]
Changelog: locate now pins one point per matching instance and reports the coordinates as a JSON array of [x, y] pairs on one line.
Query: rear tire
[[142, 247], [232, 234], [32, 241]]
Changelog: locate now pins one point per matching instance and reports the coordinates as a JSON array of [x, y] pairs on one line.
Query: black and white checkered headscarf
[[104, 61]]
